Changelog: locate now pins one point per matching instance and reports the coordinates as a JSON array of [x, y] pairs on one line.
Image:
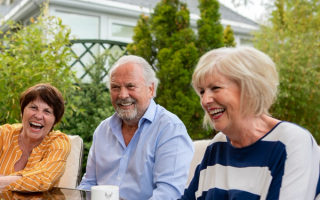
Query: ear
[[151, 90]]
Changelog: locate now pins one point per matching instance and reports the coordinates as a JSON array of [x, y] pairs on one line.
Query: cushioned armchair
[[72, 176], [199, 150]]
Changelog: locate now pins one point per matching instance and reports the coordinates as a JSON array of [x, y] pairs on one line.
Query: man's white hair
[[148, 73]]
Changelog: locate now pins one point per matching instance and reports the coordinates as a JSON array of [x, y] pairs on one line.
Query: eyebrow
[[130, 83]]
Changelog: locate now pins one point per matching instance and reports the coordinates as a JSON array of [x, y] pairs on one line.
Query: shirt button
[[119, 178], [125, 156]]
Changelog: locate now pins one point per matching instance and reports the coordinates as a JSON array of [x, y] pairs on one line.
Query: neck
[[250, 130], [128, 131], [29, 144], [130, 126]]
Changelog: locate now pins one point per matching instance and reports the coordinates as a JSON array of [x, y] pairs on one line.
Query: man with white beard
[[142, 148]]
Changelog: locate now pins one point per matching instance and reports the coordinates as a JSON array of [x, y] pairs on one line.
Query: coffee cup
[[105, 192]]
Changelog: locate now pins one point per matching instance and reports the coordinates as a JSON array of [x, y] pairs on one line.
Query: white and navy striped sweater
[[284, 164]]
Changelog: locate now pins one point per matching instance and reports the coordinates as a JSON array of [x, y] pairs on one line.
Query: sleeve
[[174, 152], [89, 179], [46, 173], [190, 192], [4, 131], [298, 178]]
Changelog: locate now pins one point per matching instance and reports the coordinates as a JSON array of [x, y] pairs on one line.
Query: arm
[[7, 180], [174, 153], [47, 172], [89, 179], [301, 170], [189, 193]]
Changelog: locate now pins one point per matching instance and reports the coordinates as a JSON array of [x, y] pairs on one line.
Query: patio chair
[[72, 176], [200, 147]]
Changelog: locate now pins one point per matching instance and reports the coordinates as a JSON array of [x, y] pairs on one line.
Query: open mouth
[[35, 125], [126, 104], [217, 112]]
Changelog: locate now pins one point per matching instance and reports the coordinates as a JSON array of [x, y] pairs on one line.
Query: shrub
[[29, 55]]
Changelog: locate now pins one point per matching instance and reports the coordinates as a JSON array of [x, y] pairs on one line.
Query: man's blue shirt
[[155, 163]]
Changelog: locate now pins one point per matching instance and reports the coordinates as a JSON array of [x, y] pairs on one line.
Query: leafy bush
[[29, 55], [291, 38], [90, 104], [168, 43]]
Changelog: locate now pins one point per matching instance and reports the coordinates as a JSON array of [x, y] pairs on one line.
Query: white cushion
[[72, 175], [200, 147]]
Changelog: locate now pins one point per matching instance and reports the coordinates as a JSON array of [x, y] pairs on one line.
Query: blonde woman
[[254, 156]]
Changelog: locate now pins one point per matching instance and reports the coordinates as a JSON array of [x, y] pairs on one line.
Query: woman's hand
[[7, 180]]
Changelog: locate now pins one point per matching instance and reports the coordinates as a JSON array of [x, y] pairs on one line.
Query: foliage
[[29, 55], [210, 30], [90, 104], [291, 38], [228, 37], [168, 43], [143, 44]]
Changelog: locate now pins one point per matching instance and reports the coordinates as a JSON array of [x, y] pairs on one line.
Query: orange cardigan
[[45, 166]]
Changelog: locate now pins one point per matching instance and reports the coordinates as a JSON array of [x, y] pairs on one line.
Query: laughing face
[[37, 120], [220, 97], [130, 96]]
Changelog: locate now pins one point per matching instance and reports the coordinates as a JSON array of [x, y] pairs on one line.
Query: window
[[121, 30], [246, 42], [82, 26]]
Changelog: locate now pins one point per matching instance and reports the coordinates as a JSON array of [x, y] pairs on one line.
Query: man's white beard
[[128, 115]]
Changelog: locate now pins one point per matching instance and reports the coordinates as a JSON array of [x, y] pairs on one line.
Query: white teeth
[[126, 104], [35, 124], [215, 111]]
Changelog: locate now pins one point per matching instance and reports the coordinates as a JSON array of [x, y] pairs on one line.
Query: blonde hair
[[251, 69]]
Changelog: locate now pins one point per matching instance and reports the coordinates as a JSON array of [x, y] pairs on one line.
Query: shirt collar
[[150, 112]]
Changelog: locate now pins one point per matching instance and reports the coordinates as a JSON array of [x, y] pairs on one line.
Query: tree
[[168, 43], [210, 30], [291, 38], [29, 55], [143, 44], [90, 104], [228, 37]]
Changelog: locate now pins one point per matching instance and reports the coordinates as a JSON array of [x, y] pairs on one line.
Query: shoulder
[[106, 124], [294, 139], [6, 128], [165, 116], [289, 134], [58, 140], [218, 140]]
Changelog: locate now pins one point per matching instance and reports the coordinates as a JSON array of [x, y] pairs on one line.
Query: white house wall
[[110, 12]]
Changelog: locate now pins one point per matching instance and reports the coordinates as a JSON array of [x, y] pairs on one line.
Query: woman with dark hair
[[32, 155], [254, 156]]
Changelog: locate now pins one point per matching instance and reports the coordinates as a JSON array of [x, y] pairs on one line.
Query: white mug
[[105, 192]]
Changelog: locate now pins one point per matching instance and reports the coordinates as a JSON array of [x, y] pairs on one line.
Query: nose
[[206, 98], [123, 93], [38, 115]]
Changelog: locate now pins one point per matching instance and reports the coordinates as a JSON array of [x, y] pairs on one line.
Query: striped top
[[54, 194], [284, 164], [45, 165]]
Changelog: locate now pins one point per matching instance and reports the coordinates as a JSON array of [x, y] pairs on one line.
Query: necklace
[[25, 149]]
